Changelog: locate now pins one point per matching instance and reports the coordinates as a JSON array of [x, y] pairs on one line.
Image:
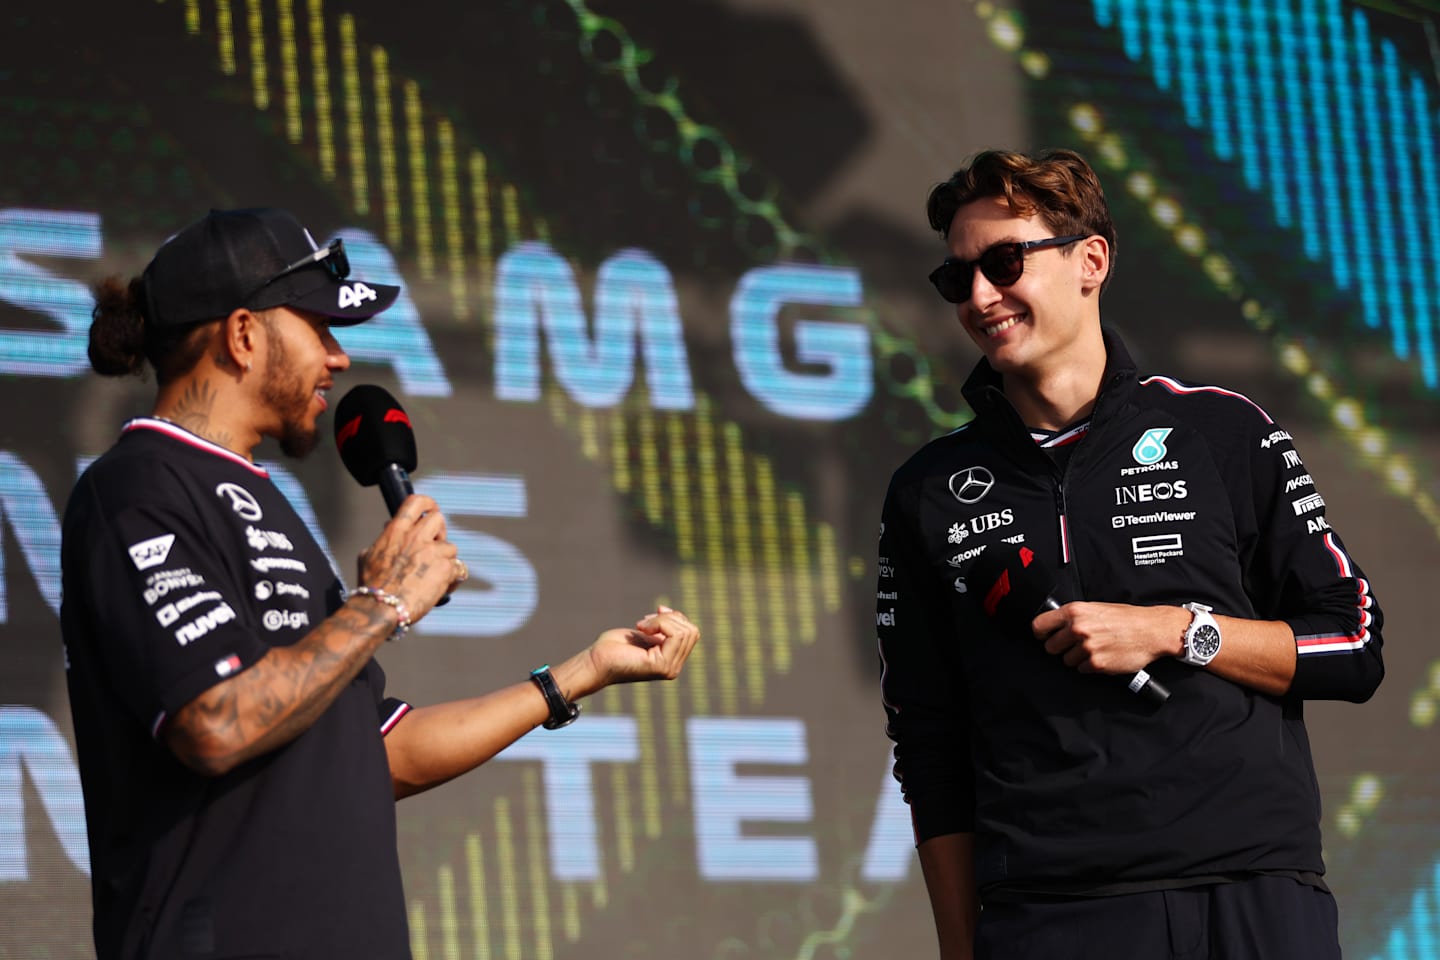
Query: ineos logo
[[241, 500], [971, 484], [1146, 492]]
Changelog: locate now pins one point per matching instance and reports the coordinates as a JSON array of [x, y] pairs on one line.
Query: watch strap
[[1199, 617], [562, 711]]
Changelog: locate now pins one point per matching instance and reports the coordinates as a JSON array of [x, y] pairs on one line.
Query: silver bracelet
[[403, 626]]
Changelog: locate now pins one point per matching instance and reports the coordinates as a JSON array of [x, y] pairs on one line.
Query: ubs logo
[[992, 521], [971, 484]]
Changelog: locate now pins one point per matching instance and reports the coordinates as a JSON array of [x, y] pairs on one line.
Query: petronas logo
[[1150, 448]]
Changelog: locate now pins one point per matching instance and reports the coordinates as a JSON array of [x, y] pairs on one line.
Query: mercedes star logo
[[971, 484]]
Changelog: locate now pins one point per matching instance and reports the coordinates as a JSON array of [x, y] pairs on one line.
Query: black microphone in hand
[[377, 444], [1015, 585]]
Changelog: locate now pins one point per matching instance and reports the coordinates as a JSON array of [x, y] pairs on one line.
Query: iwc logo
[[971, 484], [1150, 448]]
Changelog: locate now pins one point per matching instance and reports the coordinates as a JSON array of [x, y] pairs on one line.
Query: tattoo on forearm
[[282, 694]]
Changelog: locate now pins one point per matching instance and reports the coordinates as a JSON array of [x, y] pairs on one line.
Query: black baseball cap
[[256, 258]]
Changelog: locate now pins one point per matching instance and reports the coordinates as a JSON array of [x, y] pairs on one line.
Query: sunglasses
[[1003, 264], [331, 257]]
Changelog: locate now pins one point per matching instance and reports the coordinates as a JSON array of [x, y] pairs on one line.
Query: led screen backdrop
[[665, 334]]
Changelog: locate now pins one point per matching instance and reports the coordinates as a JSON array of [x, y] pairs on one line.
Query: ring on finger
[[462, 571]]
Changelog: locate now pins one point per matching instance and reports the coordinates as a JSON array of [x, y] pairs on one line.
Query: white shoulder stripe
[[177, 432], [389, 722], [1180, 389]]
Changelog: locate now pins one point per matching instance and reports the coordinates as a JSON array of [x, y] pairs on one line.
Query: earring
[[247, 366]]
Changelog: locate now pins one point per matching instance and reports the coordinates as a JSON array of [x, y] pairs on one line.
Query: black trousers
[[1266, 918]]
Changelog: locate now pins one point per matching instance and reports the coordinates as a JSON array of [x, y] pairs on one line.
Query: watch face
[[1205, 641]]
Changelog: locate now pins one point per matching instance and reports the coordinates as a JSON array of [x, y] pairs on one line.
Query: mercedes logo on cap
[[971, 484]]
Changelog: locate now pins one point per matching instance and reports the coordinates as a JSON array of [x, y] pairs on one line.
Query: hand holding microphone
[[1015, 588], [411, 559]]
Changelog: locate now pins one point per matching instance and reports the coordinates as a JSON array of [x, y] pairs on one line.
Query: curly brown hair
[[1058, 185]]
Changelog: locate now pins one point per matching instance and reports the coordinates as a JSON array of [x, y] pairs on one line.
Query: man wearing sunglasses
[[1183, 529], [239, 757]]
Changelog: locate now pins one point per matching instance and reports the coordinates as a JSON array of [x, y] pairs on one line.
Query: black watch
[[562, 711]]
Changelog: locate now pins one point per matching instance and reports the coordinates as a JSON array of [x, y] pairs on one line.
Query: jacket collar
[[984, 389]]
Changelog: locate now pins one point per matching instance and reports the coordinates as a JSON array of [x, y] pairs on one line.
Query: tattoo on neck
[[192, 411]]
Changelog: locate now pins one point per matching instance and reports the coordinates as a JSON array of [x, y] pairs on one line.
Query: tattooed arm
[[285, 691], [281, 695]]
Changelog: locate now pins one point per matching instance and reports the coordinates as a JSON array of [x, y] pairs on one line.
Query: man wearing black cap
[[238, 755]]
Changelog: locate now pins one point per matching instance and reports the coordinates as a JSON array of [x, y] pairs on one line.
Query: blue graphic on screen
[[634, 298], [30, 740], [843, 348], [725, 800], [27, 513], [46, 233], [890, 851], [1418, 938], [503, 589], [566, 756], [1269, 86]]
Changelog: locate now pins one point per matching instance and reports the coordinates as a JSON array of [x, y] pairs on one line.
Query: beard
[[287, 393]]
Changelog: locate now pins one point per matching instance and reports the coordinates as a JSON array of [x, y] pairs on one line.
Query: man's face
[[302, 358], [1025, 327]]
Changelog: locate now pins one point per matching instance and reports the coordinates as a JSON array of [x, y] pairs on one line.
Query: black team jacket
[[1071, 783]]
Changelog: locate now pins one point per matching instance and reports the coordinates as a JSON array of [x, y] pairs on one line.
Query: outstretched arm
[[438, 743]]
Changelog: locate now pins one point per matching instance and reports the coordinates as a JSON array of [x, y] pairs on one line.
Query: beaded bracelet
[[403, 626]]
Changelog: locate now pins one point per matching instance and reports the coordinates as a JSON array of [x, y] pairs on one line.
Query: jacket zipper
[[1064, 524], [1067, 556]]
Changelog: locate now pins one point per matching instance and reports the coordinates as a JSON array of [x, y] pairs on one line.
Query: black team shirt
[[183, 565]]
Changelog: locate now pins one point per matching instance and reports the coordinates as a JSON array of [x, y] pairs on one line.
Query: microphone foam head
[[1011, 582], [372, 431]]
